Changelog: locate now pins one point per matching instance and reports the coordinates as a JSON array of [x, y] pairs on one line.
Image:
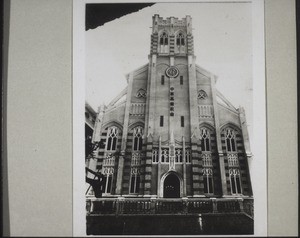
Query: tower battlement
[[172, 36]]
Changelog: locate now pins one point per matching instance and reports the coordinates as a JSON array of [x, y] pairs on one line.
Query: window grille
[[233, 160], [207, 160]]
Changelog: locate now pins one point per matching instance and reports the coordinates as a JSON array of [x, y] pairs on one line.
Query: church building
[[171, 133]]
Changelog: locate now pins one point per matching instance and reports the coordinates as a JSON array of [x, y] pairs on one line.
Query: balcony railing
[[121, 206]]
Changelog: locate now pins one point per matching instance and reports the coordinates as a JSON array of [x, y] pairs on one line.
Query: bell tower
[[172, 36], [172, 94]]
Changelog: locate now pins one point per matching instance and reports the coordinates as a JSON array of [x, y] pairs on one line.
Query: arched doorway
[[171, 186]]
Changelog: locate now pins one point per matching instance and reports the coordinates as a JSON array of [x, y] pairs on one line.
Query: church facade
[[170, 133]]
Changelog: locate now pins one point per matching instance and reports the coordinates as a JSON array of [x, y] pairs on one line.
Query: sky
[[222, 45]]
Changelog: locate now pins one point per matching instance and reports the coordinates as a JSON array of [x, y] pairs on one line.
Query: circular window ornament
[[172, 72]]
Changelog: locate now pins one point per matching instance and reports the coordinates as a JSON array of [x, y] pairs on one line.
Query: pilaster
[[218, 136], [124, 137]]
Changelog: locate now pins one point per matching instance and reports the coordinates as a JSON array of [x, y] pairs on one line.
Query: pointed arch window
[[164, 39], [205, 139], [137, 138], [180, 39], [235, 181], [230, 140], [112, 138]]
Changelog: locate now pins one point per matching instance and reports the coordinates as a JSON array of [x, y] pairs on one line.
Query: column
[[184, 166]]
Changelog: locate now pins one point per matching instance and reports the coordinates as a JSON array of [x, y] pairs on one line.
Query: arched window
[[180, 39], [205, 139], [112, 138], [164, 39], [230, 140], [137, 138], [235, 181], [208, 181]]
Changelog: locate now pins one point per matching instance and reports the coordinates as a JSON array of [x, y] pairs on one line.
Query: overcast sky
[[222, 44]]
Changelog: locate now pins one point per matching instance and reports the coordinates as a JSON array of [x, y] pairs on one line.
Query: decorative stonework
[[172, 72], [141, 93], [206, 111], [138, 109]]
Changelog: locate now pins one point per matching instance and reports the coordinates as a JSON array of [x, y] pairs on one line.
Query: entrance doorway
[[171, 186]]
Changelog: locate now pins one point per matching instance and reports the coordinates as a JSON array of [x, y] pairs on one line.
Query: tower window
[[163, 39], [112, 138], [180, 40], [181, 80], [161, 121], [138, 138], [182, 121], [162, 80]]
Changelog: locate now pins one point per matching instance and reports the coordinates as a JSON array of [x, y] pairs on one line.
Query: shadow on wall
[[212, 224]]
